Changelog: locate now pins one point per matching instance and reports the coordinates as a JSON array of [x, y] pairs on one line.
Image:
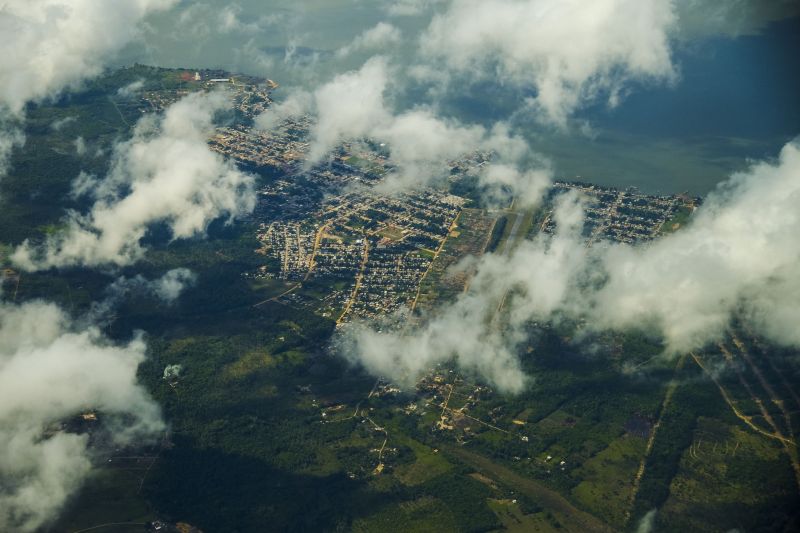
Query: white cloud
[[10, 137], [357, 104], [169, 286], [420, 143], [250, 54], [49, 372], [379, 36], [50, 45], [739, 256], [164, 173], [297, 103], [648, 522], [569, 50], [59, 124], [407, 8], [47, 46], [131, 89], [529, 186], [201, 20], [740, 252], [80, 146], [467, 330], [349, 106]]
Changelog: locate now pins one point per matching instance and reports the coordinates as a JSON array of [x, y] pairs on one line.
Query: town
[[347, 250], [381, 245], [625, 216], [382, 253]]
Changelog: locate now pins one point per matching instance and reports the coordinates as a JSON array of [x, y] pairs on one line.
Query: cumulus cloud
[[297, 103], [50, 45], [380, 36], [50, 371], [648, 522], [80, 146], [467, 330], [357, 105], [61, 123], [570, 51], [167, 288], [201, 20], [10, 137], [250, 53], [741, 253], [165, 173], [419, 141], [529, 186], [740, 256], [130, 90], [406, 8], [349, 106]]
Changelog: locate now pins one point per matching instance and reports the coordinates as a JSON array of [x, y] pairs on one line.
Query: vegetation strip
[[576, 519]]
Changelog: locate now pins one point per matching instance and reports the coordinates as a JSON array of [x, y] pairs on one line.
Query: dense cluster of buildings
[[250, 95], [281, 148], [622, 215], [381, 245], [326, 222], [292, 244]]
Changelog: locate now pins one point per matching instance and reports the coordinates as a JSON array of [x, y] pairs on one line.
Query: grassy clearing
[[524, 227], [391, 232], [502, 243], [556, 422], [680, 219], [730, 477], [269, 288], [441, 285], [428, 464], [356, 161], [497, 233], [421, 515], [515, 521], [608, 479], [5, 251], [565, 513], [249, 363]]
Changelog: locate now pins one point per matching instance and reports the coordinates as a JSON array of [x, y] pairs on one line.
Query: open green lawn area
[[571, 518], [427, 463], [679, 220], [391, 232], [417, 516], [516, 521]]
